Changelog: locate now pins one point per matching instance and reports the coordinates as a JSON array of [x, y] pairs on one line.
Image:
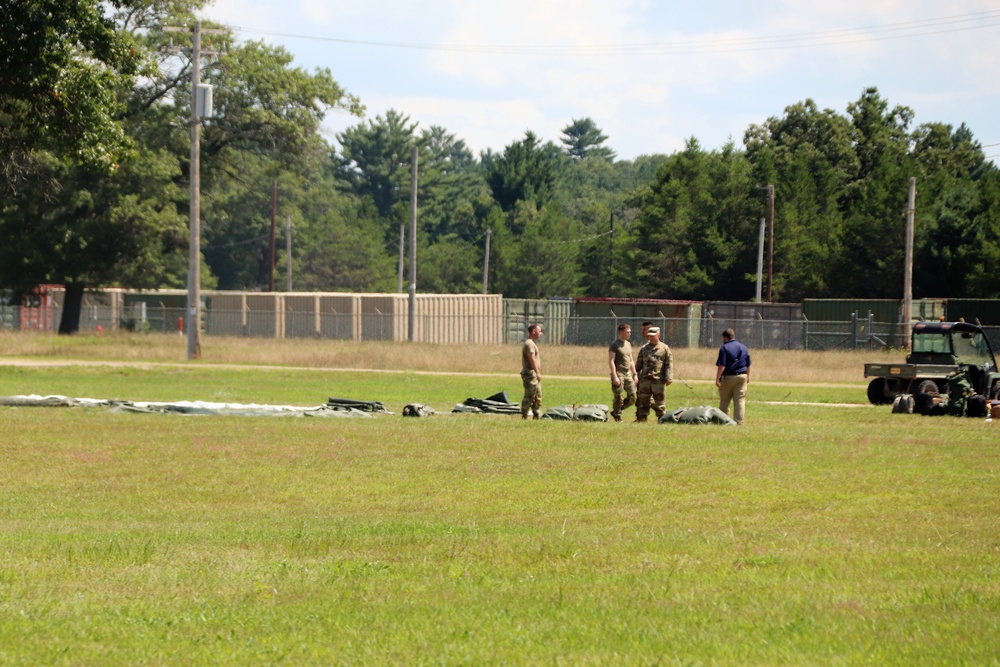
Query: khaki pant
[[532, 393], [624, 396], [650, 394], [734, 388]]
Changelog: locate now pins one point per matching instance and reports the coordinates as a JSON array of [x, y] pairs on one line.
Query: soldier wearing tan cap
[[655, 369]]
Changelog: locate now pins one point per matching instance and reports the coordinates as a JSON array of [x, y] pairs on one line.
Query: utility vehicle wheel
[[876, 392], [927, 387]]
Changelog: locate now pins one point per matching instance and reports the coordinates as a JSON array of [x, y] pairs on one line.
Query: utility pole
[[911, 208], [274, 214], [194, 266], [194, 243], [770, 240], [486, 260], [611, 254], [770, 237], [288, 252], [413, 246], [402, 245], [760, 260]]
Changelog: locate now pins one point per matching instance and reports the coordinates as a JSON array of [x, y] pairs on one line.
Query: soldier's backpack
[[903, 404], [977, 406], [418, 410], [930, 404]]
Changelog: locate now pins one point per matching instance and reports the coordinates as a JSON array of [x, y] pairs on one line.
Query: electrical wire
[[901, 30]]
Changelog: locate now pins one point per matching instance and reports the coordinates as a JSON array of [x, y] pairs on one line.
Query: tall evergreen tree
[[583, 139]]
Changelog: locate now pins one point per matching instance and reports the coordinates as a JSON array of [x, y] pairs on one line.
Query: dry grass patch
[[841, 366]]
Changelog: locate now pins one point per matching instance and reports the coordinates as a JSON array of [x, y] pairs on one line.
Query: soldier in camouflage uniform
[[655, 370], [531, 374], [622, 371]]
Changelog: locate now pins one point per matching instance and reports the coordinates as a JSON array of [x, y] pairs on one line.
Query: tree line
[[94, 109]]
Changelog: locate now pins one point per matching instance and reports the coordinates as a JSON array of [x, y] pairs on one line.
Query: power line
[[902, 30], [216, 246]]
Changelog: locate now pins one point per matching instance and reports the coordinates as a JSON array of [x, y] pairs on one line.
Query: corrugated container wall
[[889, 311], [840, 310], [552, 314], [759, 324], [983, 311], [596, 319]]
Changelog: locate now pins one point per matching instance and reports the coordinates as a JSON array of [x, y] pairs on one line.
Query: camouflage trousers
[[624, 396], [650, 395], [532, 393]]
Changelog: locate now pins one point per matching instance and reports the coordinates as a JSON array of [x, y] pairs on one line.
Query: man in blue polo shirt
[[732, 375]]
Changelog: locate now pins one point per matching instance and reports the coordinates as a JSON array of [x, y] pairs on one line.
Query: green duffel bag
[[561, 413], [591, 413], [702, 414]]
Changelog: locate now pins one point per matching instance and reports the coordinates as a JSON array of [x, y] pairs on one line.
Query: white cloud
[[645, 103]]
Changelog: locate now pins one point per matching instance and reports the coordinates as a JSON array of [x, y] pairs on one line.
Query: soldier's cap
[[652, 330]]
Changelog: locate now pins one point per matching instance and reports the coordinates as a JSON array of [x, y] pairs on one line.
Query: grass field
[[815, 534]]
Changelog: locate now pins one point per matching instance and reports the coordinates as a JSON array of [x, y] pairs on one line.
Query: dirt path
[[150, 365]]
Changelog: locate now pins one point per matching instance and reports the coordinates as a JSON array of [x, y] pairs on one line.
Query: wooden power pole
[[412, 320], [911, 207]]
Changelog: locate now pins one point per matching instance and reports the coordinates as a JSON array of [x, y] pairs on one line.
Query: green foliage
[[62, 63], [92, 229], [583, 139], [684, 225], [449, 266], [546, 262], [692, 231], [264, 105], [526, 171], [376, 159]]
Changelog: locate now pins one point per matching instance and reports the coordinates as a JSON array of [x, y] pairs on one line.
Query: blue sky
[[650, 74]]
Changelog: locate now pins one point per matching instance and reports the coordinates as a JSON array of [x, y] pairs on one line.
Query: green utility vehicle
[[938, 350]]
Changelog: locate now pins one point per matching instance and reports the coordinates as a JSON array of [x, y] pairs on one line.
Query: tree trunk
[[72, 304]]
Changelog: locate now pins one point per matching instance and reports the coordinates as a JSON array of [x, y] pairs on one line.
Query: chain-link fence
[[563, 329]]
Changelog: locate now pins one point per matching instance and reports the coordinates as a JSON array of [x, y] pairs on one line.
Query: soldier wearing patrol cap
[[655, 369]]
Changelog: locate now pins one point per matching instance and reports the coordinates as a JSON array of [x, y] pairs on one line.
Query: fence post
[[854, 331]]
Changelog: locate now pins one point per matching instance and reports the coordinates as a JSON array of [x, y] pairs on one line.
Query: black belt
[[732, 375]]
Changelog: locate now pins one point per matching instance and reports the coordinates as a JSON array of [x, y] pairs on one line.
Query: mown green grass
[[298, 387], [812, 535]]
